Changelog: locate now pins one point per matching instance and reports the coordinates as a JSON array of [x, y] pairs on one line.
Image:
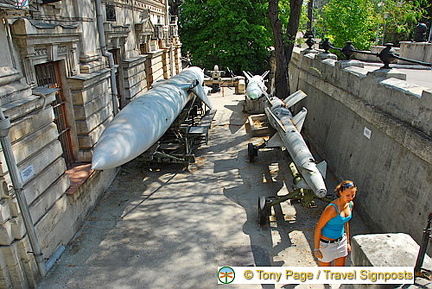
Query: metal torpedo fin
[[299, 119], [302, 184], [248, 75], [322, 167], [265, 74], [199, 91], [275, 141], [294, 98], [185, 86]]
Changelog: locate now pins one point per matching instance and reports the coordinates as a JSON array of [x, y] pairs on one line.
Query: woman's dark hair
[[344, 185]]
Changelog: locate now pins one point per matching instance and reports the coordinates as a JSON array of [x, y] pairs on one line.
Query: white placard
[[27, 173], [367, 133]]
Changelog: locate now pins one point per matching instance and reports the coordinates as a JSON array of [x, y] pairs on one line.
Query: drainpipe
[[430, 33], [101, 31], [18, 187], [168, 40]]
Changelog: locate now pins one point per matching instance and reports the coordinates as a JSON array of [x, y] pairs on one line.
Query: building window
[[48, 75]]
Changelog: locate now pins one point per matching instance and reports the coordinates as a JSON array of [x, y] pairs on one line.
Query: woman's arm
[[347, 230], [348, 235], [327, 215]]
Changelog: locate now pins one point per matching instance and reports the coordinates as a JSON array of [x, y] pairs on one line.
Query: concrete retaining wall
[[421, 51], [375, 130]]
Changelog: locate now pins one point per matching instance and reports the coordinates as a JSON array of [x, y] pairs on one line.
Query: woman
[[331, 238]]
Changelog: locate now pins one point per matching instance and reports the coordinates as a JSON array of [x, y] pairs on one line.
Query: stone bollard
[[387, 250]]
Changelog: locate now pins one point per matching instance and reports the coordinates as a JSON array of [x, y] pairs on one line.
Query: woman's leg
[[324, 264], [340, 261]]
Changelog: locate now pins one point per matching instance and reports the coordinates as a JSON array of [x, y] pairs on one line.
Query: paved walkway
[[171, 227]]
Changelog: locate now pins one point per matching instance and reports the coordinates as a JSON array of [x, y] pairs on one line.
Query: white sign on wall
[[367, 133], [27, 173]]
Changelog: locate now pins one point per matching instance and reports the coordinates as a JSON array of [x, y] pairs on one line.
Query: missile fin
[[299, 118], [306, 167], [248, 75], [265, 74], [302, 184], [322, 167], [275, 141], [294, 98], [199, 91], [182, 86]]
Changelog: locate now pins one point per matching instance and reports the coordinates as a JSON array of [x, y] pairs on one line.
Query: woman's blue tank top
[[335, 227]]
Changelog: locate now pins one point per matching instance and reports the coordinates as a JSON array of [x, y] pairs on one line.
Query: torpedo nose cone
[[97, 164], [100, 161], [112, 152]]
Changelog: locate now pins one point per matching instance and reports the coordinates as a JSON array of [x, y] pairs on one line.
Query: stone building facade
[[62, 79]]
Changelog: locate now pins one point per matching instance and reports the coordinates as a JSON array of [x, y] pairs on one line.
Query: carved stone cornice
[[145, 27], [115, 30], [155, 6], [45, 41]]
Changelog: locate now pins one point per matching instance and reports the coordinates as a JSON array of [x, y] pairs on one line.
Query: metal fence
[[387, 55]]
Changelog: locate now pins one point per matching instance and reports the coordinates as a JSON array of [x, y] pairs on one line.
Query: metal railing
[[387, 55]]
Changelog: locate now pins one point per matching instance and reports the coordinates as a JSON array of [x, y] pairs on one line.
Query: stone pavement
[[168, 226]]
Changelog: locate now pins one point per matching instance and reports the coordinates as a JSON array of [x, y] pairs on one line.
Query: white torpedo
[[256, 85], [144, 120], [288, 135]]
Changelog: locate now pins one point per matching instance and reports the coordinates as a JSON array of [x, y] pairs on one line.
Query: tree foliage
[[230, 34], [367, 23], [348, 20], [239, 34], [397, 19]]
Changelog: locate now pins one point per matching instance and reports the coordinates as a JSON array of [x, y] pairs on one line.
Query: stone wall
[[421, 51], [373, 129], [155, 67], [92, 107], [135, 79]]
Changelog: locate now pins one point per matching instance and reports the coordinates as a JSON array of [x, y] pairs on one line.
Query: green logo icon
[[226, 275]]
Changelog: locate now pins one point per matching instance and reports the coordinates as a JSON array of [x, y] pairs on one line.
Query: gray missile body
[[144, 120], [256, 85], [288, 135]]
